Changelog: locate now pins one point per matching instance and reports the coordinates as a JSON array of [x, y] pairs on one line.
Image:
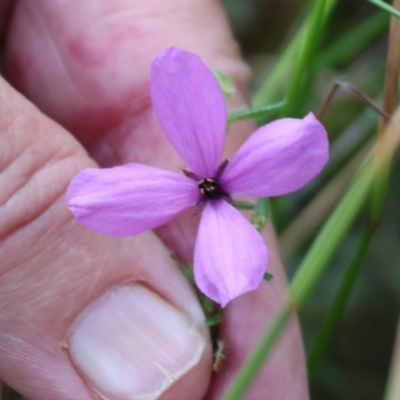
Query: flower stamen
[[210, 188]]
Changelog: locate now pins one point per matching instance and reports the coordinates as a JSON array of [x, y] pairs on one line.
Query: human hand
[[86, 65]]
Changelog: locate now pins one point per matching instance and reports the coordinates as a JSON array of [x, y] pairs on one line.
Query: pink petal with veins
[[129, 199], [230, 256], [191, 108], [278, 158]]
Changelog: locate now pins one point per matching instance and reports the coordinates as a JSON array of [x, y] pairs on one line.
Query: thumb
[[83, 315]]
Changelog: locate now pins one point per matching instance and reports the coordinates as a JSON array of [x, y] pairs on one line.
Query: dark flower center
[[210, 188]]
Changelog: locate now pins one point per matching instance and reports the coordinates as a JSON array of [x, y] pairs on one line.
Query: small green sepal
[[268, 277], [226, 84]]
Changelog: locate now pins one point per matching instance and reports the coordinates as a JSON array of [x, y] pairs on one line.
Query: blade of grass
[[271, 87], [379, 189], [387, 7], [332, 234], [304, 61], [305, 57], [354, 41], [339, 302], [277, 77], [309, 272], [256, 360]]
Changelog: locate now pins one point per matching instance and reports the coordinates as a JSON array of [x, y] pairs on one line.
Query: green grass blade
[[354, 41], [332, 234], [339, 302], [312, 267], [305, 57], [257, 357], [386, 7], [276, 81], [273, 84]]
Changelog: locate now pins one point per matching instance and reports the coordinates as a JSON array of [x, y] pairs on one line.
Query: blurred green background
[[358, 358]]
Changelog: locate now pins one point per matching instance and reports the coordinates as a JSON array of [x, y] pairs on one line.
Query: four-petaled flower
[[230, 256]]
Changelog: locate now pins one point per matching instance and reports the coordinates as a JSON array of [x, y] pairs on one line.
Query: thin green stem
[[241, 115], [277, 77], [378, 195], [242, 205], [273, 84], [332, 234], [257, 357], [339, 302], [305, 57], [386, 7], [312, 267]]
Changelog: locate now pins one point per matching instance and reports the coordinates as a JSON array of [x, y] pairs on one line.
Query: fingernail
[[132, 344]]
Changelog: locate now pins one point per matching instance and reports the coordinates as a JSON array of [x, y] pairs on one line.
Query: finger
[[81, 314], [99, 88]]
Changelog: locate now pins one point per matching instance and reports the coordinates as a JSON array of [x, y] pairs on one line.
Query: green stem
[[240, 115], [386, 7], [305, 57], [242, 205], [256, 360], [378, 195], [312, 267], [339, 302], [272, 86], [332, 234]]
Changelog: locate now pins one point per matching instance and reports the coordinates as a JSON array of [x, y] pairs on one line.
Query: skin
[[85, 65]]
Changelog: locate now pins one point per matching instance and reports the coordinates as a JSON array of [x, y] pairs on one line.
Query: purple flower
[[230, 256]]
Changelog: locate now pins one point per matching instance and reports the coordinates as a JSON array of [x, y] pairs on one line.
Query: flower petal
[[129, 199], [230, 256], [278, 158], [191, 108]]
